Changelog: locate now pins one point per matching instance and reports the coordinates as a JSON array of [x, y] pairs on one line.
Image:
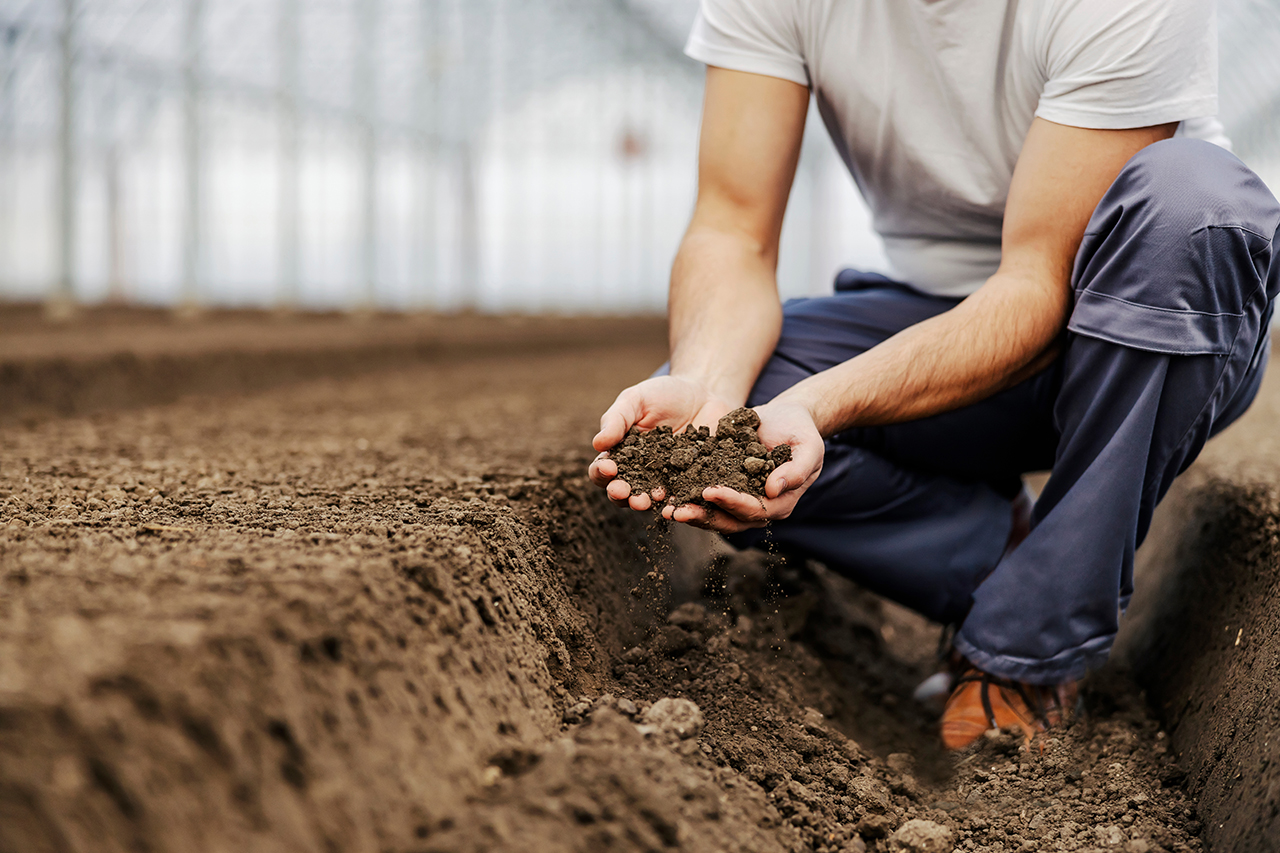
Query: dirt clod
[[921, 836], [690, 616], [678, 717], [683, 464]]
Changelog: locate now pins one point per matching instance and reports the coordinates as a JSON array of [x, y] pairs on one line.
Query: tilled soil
[[795, 687], [388, 613], [1204, 635], [109, 358]]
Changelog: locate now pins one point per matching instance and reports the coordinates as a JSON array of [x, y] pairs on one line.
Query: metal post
[[115, 226], [648, 178], [507, 177], [366, 92], [428, 105], [469, 226], [468, 202], [287, 203], [192, 159], [60, 303], [628, 148], [8, 128], [596, 232], [534, 216]]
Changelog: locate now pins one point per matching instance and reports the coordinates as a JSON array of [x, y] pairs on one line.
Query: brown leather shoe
[[980, 702]]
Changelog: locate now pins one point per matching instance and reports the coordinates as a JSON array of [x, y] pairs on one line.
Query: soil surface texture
[[1204, 634], [389, 613], [108, 357], [681, 465]]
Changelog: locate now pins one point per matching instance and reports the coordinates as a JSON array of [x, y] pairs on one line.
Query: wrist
[[712, 389], [820, 406]]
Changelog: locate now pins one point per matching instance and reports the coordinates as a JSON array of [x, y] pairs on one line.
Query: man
[[1072, 290]]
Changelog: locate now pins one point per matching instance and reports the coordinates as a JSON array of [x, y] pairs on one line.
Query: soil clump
[[683, 464]]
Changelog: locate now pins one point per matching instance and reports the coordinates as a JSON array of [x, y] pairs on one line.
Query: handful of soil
[[685, 463]]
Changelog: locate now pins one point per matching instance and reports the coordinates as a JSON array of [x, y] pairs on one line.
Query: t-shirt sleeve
[[1114, 64], [759, 36]]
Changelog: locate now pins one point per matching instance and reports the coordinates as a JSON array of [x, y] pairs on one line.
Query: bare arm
[[724, 311], [1003, 333], [724, 295]]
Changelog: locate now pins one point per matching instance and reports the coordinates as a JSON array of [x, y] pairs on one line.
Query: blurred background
[[492, 155]]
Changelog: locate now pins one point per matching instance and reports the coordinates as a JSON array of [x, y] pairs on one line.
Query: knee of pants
[[1195, 184], [1177, 257]]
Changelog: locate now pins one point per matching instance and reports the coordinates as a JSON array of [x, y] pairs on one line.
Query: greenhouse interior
[[489, 155]]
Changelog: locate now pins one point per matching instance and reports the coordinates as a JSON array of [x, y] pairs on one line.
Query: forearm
[[725, 317], [1002, 334]]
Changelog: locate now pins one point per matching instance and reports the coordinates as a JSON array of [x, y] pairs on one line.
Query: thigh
[[994, 440], [824, 331]]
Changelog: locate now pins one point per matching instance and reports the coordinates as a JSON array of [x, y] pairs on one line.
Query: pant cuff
[[1069, 665]]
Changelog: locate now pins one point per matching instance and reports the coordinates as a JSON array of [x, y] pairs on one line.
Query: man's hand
[[781, 422], [661, 401], [724, 311]]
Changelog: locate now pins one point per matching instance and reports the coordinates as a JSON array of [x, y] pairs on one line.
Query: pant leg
[[1167, 342], [922, 538]]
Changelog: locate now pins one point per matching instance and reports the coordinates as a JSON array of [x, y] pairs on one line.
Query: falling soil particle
[[683, 464]]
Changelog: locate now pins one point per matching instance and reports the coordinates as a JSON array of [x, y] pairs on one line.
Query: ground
[[380, 608]]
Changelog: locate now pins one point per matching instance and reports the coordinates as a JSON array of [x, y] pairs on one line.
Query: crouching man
[[1083, 281]]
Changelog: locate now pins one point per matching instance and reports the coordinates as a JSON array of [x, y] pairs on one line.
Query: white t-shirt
[[928, 101]]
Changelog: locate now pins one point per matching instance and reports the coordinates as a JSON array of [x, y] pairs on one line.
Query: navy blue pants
[[1166, 344]]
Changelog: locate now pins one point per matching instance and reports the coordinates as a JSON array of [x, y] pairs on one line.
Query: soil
[[807, 707], [301, 620], [681, 465], [388, 613], [117, 357], [1204, 638]]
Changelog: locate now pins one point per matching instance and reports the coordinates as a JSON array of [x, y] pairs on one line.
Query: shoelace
[[1033, 699], [945, 647]]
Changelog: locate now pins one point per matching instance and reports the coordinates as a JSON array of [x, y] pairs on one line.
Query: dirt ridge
[[1206, 646], [110, 359]]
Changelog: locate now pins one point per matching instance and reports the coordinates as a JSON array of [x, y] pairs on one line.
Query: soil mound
[[301, 620], [1203, 636], [109, 358], [683, 464]]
